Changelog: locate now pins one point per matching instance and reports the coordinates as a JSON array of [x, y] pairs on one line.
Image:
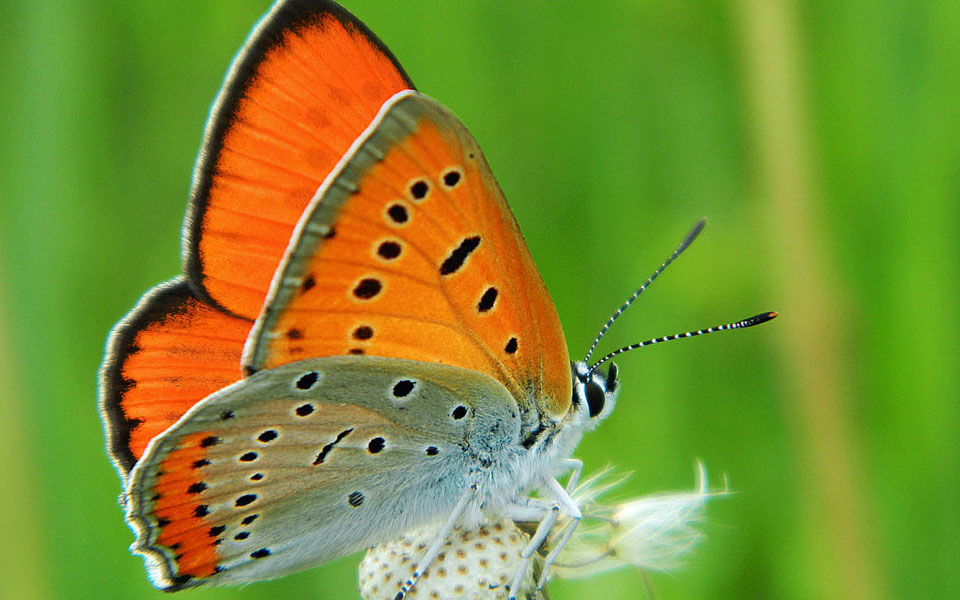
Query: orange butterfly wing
[[410, 251], [308, 81], [169, 353]]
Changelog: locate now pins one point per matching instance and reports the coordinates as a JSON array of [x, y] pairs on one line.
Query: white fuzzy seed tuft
[[653, 533]]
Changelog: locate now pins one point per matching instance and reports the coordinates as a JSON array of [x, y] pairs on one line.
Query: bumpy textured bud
[[475, 564]]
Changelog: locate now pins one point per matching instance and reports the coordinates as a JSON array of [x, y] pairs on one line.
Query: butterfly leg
[[547, 523], [438, 542], [564, 499], [576, 467]]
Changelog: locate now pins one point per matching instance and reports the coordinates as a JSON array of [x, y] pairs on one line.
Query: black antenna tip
[[761, 318], [694, 232], [749, 322]]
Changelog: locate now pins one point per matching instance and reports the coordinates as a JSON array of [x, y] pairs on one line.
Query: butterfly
[[360, 342]]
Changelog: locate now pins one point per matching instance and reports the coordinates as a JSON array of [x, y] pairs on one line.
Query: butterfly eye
[[595, 398]]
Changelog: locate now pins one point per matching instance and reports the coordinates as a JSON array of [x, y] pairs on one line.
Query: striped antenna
[[754, 320], [683, 246]]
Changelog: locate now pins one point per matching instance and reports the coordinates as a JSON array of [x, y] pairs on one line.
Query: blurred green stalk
[[22, 572], [807, 286]]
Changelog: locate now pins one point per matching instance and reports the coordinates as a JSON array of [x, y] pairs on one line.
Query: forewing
[[410, 251], [304, 463], [305, 84]]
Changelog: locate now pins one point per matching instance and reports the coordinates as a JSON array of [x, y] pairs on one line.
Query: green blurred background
[[822, 140]]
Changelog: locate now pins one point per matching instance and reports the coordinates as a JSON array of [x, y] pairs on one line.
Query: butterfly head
[[594, 392]]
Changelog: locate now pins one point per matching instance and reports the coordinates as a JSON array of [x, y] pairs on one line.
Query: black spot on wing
[[367, 288], [403, 388], [459, 255], [307, 380], [419, 189], [376, 445], [398, 214], [451, 178], [245, 499], [488, 300], [389, 250], [326, 449]]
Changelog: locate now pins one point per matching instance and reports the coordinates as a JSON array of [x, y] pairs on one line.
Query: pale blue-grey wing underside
[[331, 455]]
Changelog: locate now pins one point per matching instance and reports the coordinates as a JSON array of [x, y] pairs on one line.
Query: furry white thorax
[[520, 471]]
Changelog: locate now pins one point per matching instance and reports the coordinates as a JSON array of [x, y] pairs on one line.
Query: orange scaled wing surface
[[410, 251], [308, 81], [169, 353]]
